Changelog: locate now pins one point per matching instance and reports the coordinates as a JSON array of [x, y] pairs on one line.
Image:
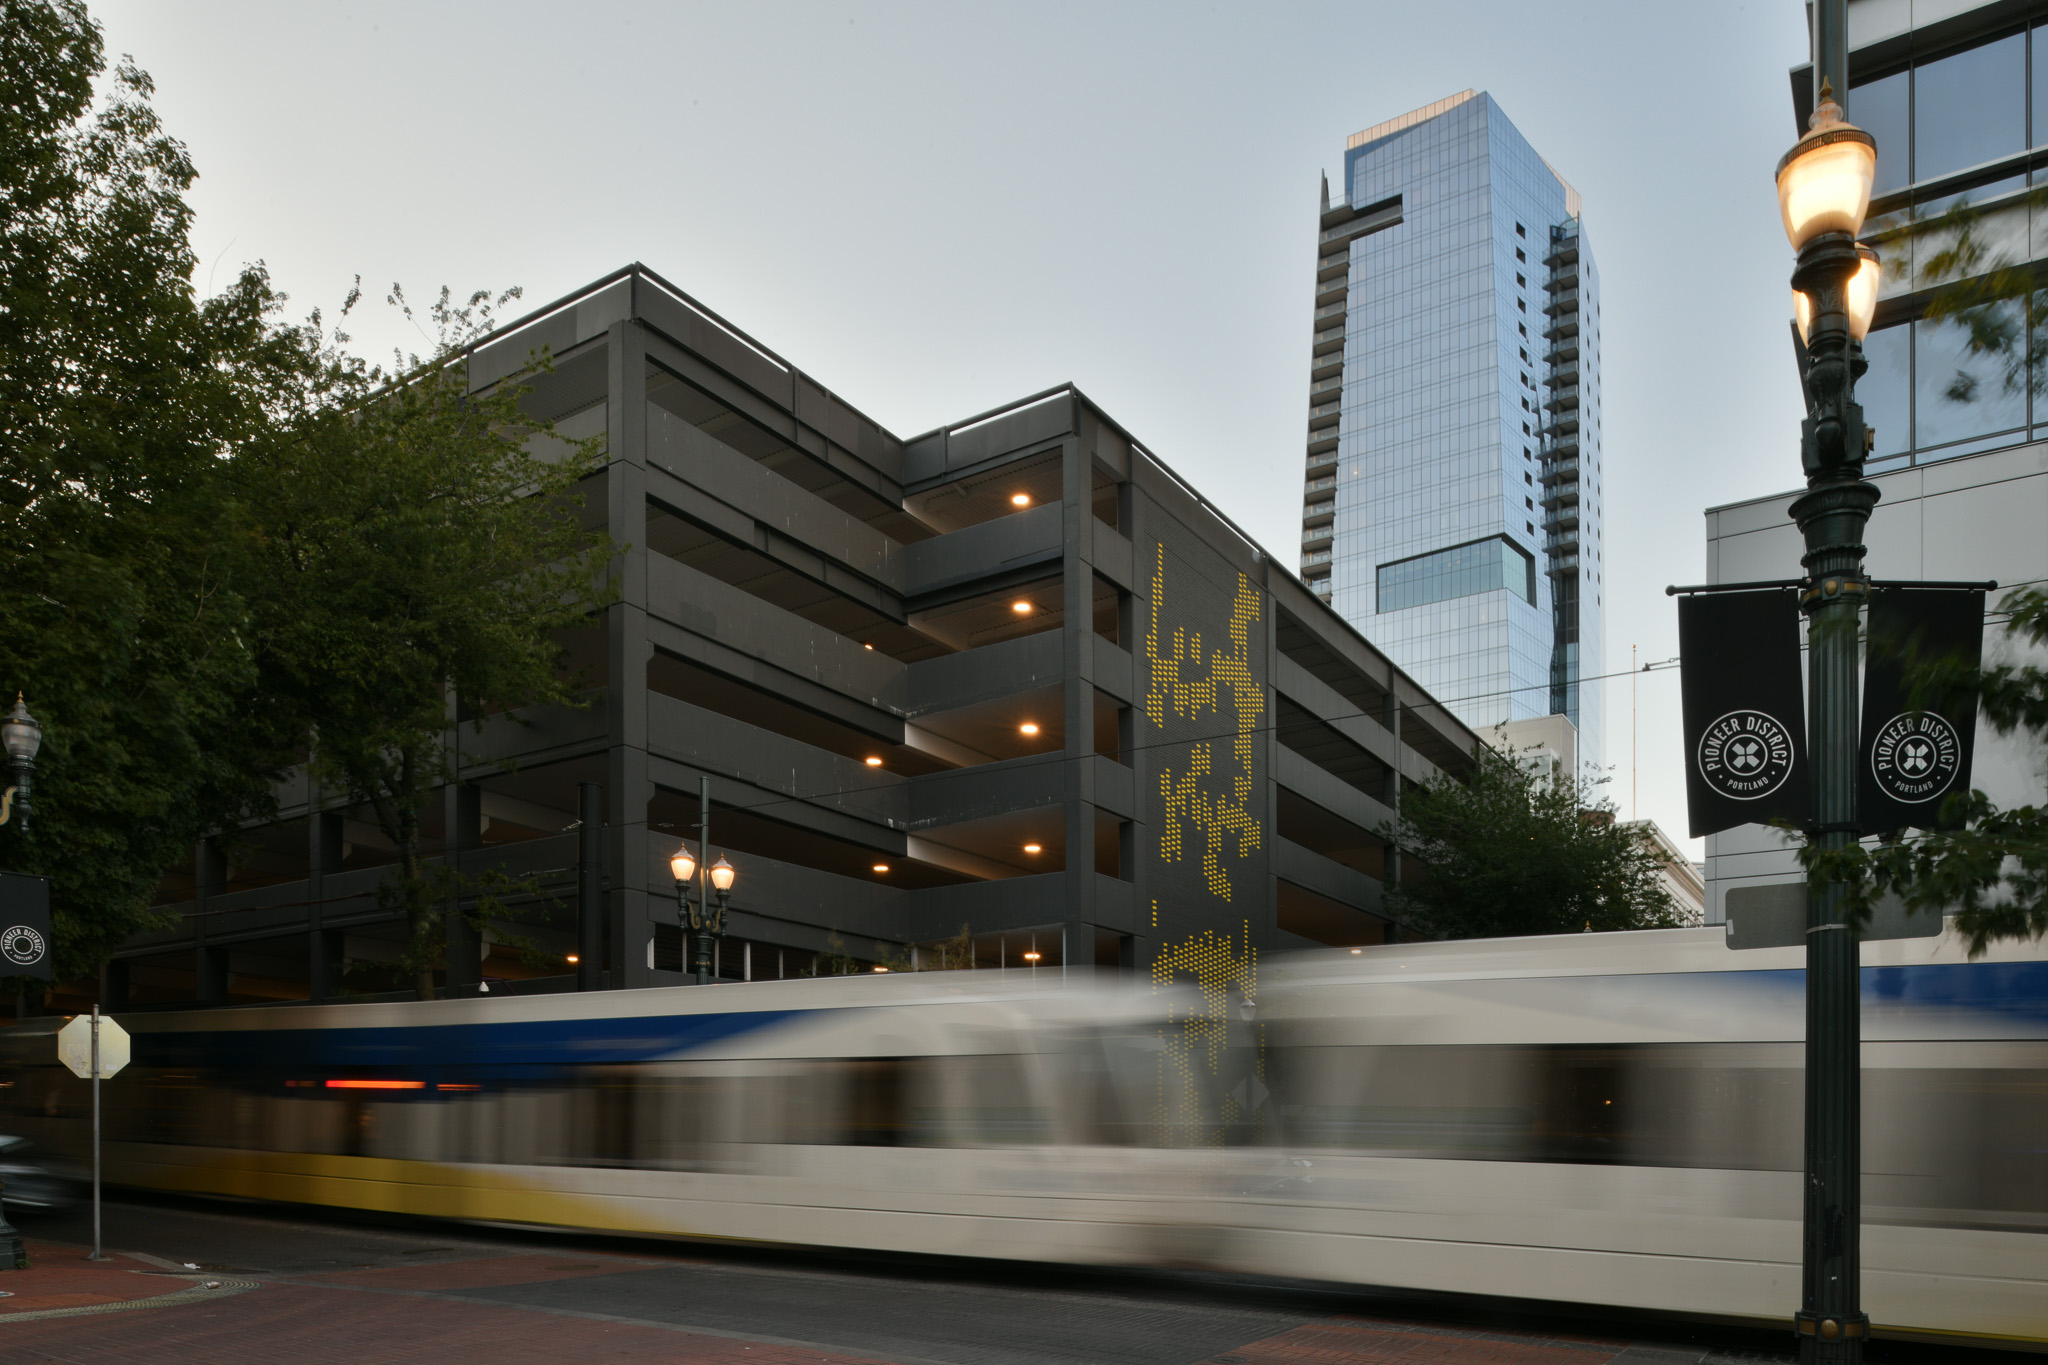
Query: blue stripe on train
[[551, 1042], [2011, 990]]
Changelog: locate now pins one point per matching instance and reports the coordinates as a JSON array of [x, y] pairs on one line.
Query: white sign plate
[[74, 1046]]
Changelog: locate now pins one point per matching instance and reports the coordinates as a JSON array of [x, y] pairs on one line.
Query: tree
[[119, 392], [418, 549], [1991, 868], [1515, 851]]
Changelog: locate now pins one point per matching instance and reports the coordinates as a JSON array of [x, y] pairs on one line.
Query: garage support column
[[324, 945], [629, 788], [210, 961], [1392, 800], [1077, 914], [462, 817], [592, 948]]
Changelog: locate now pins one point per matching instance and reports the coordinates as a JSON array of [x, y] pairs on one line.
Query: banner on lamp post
[[1916, 751], [25, 926], [1745, 728]]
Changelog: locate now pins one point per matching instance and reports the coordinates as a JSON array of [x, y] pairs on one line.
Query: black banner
[[1745, 726], [1911, 758], [25, 926]]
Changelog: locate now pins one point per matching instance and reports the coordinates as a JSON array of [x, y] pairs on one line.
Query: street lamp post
[[1824, 187], [21, 734], [698, 918]]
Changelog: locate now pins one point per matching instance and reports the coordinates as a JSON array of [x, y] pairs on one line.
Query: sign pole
[[94, 1048], [96, 1253]]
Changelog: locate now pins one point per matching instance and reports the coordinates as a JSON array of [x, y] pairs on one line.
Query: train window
[[1727, 1106], [1957, 1146], [996, 1103], [1404, 1101], [875, 1103], [1131, 1088]]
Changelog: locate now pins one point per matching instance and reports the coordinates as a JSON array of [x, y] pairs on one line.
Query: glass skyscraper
[[1454, 486]]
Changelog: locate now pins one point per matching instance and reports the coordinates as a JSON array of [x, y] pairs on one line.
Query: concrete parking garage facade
[[1012, 675]]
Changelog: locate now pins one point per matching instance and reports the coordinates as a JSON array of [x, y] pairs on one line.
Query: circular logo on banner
[[1915, 757], [21, 945], [1746, 755]]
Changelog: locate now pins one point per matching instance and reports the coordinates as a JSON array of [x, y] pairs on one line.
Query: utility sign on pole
[[93, 1048], [74, 1046]]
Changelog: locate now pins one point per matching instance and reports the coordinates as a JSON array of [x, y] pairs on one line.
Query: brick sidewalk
[[59, 1276], [414, 1313]]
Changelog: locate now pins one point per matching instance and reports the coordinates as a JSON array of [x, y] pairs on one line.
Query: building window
[[1950, 113], [1881, 110], [1970, 107], [1461, 571], [1928, 398]]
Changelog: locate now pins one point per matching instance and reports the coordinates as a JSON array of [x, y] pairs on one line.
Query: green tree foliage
[[1968, 279], [224, 543], [418, 550], [1516, 851], [1992, 869], [119, 392]]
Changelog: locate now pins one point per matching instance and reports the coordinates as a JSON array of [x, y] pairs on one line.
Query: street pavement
[[211, 1282]]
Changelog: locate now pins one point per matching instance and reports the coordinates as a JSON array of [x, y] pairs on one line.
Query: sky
[[936, 208]]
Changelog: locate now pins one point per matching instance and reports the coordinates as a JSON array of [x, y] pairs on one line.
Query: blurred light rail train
[[1610, 1120]]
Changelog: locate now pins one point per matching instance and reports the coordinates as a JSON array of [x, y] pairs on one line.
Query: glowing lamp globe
[[1862, 298], [722, 874], [1824, 181], [682, 865]]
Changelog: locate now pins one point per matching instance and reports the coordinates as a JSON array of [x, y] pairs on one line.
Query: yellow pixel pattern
[[1184, 684], [1188, 1109]]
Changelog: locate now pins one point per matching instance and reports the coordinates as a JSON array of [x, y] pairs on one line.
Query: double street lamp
[[1824, 186], [698, 918]]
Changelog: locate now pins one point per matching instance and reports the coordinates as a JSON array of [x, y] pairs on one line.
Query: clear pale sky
[[935, 208]]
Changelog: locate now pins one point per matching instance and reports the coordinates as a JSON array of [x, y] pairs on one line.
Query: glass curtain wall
[[1962, 123], [1443, 413]]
